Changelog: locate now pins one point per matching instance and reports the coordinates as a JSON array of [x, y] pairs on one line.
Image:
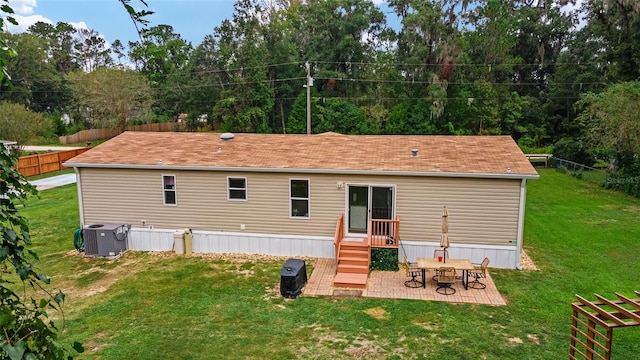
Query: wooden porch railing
[[384, 233], [337, 239]]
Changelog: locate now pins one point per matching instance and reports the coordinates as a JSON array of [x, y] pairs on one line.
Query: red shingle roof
[[329, 151]]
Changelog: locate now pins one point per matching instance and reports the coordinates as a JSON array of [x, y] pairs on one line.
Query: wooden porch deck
[[390, 285]]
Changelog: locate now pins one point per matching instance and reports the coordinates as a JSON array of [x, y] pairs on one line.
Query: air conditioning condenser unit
[[105, 239]]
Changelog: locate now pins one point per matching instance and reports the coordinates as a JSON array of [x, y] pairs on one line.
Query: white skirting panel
[[267, 244], [150, 239], [503, 257]]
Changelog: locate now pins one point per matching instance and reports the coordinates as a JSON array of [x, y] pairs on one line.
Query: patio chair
[[479, 272], [415, 273], [439, 252], [446, 278]]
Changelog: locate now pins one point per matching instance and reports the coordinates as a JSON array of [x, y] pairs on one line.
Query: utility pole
[[308, 86]]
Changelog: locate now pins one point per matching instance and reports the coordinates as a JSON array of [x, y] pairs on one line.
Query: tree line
[[525, 68]]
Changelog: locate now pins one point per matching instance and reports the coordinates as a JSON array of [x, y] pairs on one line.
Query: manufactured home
[[296, 195]]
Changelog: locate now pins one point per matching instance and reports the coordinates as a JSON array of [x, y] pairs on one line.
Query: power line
[[364, 80]]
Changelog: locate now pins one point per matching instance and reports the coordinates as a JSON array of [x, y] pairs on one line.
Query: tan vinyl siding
[[202, 201], [482, 211]]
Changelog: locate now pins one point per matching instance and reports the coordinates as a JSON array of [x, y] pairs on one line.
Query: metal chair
[[415, 273], [446, 278], [439, 252], [479, 272]]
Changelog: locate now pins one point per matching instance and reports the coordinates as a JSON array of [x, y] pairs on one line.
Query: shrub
[[19, 124], [577, 174], [384, 259], [573, 151], [58, 125]]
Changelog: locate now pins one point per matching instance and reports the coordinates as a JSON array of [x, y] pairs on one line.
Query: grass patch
[[155, 305]]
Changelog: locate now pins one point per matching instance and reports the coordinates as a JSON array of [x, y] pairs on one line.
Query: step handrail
[[339, 235]]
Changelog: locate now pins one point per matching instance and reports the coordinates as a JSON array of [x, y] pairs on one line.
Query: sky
[[192, 19]]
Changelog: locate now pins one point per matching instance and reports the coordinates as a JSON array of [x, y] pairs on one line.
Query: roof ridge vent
[[227, 136]]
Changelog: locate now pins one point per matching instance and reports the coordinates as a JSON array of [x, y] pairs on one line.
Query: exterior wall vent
[[227, 136], [414, 152]]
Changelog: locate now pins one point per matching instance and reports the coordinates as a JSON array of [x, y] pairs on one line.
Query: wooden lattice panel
[[592, 324]]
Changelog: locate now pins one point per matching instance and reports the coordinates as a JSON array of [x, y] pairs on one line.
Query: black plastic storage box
[[293, 278]]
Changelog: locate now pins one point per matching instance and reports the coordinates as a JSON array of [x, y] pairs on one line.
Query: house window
[[299, 198], [236, 188], [169, 189]]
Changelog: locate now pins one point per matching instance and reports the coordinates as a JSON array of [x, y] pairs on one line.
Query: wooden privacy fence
[[84, 136], [45, 163], [593, 322]]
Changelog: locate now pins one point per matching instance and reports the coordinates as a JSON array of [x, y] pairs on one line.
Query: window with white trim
[[169, 190], [237, 188], [299, 198]]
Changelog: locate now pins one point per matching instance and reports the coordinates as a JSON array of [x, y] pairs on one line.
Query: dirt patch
[[240, 271], [92, 347], [632, 208], [533, 339], [365, 349], [127, 266], [526, 263], [431, 327], [271, 292], [377, 312], [515, 340], [331, 339]]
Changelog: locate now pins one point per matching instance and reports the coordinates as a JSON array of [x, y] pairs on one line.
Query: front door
[[368, 202]]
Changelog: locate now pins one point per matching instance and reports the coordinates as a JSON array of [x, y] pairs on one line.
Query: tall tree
[[542, 32], [62, 42], [616, 25], [427, 48], [610, 118], [201, 86], [285, 75], [248, 99], [35, 81], [112, 97], [163, 56], [92, 50], [337, 36]]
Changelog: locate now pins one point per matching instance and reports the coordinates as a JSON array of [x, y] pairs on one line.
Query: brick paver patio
[[390, 285]]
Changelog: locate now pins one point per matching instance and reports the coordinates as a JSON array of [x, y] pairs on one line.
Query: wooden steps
[[352, 264], [351, 280]]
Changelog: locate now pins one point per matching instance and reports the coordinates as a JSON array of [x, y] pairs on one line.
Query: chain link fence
[[580, 171], [602, 177]]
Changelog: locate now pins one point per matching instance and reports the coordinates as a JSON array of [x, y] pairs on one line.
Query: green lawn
[[159, 306]]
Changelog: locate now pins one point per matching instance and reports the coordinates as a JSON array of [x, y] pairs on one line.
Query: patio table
[[463, 265]]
